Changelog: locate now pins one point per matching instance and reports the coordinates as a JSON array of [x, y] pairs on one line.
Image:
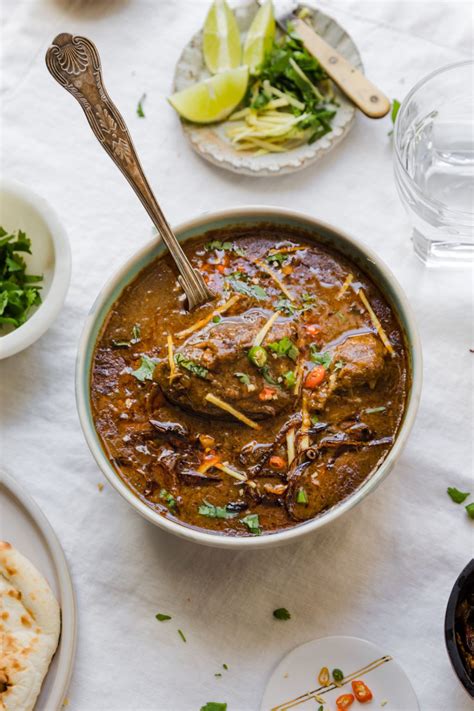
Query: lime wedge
[[260, 37], [221, 41], [212, 99]]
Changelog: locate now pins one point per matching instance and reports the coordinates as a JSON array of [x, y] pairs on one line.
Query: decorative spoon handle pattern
[[75, 64]]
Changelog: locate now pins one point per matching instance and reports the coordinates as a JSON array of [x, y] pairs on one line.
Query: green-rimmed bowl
[[323, 233]]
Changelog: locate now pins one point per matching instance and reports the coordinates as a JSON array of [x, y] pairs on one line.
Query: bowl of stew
[[264, 414]]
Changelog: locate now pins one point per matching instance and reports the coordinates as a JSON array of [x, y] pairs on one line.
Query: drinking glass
[[434, 164]]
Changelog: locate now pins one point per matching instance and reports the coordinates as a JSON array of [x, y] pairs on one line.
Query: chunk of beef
[[222, 350], [362, 358]]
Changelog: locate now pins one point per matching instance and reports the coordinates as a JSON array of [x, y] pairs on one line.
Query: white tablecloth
[[385, 570]]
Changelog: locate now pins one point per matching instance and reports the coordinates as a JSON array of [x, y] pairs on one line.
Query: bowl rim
[[204, 221], [39, 322], [449, 622]]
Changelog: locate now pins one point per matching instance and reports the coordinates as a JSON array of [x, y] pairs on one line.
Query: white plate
[[23, 524], [211, 142], [294, 683]]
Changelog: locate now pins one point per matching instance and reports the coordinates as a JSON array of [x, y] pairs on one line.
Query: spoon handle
[[75, 64]]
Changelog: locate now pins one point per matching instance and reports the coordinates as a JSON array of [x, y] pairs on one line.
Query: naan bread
[[29, 630]]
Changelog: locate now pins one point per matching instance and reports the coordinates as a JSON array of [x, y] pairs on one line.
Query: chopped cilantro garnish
[[284, 347], [224, 247], [140, 112], [17, 295], [253, 290], [323, 359], [214, 706], [211, 511], [314, 419], [278, 257], [168, 498], [301, 496], [180, 632], [161, 617], [136, 337], [457, 496], [281, 614], [224, 666], [290, 378], [218, 674], [286, 306], [252, 523], [470, 510], [265, 371], [243, 377], [145, 370], [190, 365]]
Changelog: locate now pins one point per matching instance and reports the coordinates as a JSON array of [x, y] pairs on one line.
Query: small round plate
[[23, 524], [294, 683], [211, 142]]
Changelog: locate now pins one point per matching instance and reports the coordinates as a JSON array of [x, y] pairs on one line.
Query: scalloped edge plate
[[210, 141]]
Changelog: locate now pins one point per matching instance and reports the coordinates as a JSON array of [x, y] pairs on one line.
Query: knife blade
[[351, 81]]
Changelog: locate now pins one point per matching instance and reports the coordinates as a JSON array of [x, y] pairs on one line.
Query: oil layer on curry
[[262, 408]]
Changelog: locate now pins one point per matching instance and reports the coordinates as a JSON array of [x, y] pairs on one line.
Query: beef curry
[[262, 408]]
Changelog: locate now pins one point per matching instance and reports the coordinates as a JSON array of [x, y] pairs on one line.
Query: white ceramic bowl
[[21, 208], [324, 234]]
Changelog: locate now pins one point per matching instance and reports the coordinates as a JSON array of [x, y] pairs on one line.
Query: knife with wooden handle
[[352, 82]]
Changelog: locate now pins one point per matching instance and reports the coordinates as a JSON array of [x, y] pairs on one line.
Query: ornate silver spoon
[[75, 64]]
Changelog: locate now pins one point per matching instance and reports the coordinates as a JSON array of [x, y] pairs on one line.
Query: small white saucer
[[294, 682]]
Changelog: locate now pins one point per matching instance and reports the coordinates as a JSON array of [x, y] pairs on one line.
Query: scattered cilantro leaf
[[190, 365], [457, 496], [211, 511], [253, 290], [470, 510], [252, 523], [214, 706], [284, 347], [224, 666], [168, 498], [281, 613], [136, 338], [314, 419], [161, 617], [277, 258], [224, 247], [286, 306], [323, 359], [290, 378], [140, 112], [243, 377], [267, 376], [145, 370], [181, 634]]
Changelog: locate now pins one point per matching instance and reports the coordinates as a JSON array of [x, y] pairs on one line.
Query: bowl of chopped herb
[[35, 267]]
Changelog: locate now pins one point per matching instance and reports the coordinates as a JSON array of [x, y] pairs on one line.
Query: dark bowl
[[462, 587]]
